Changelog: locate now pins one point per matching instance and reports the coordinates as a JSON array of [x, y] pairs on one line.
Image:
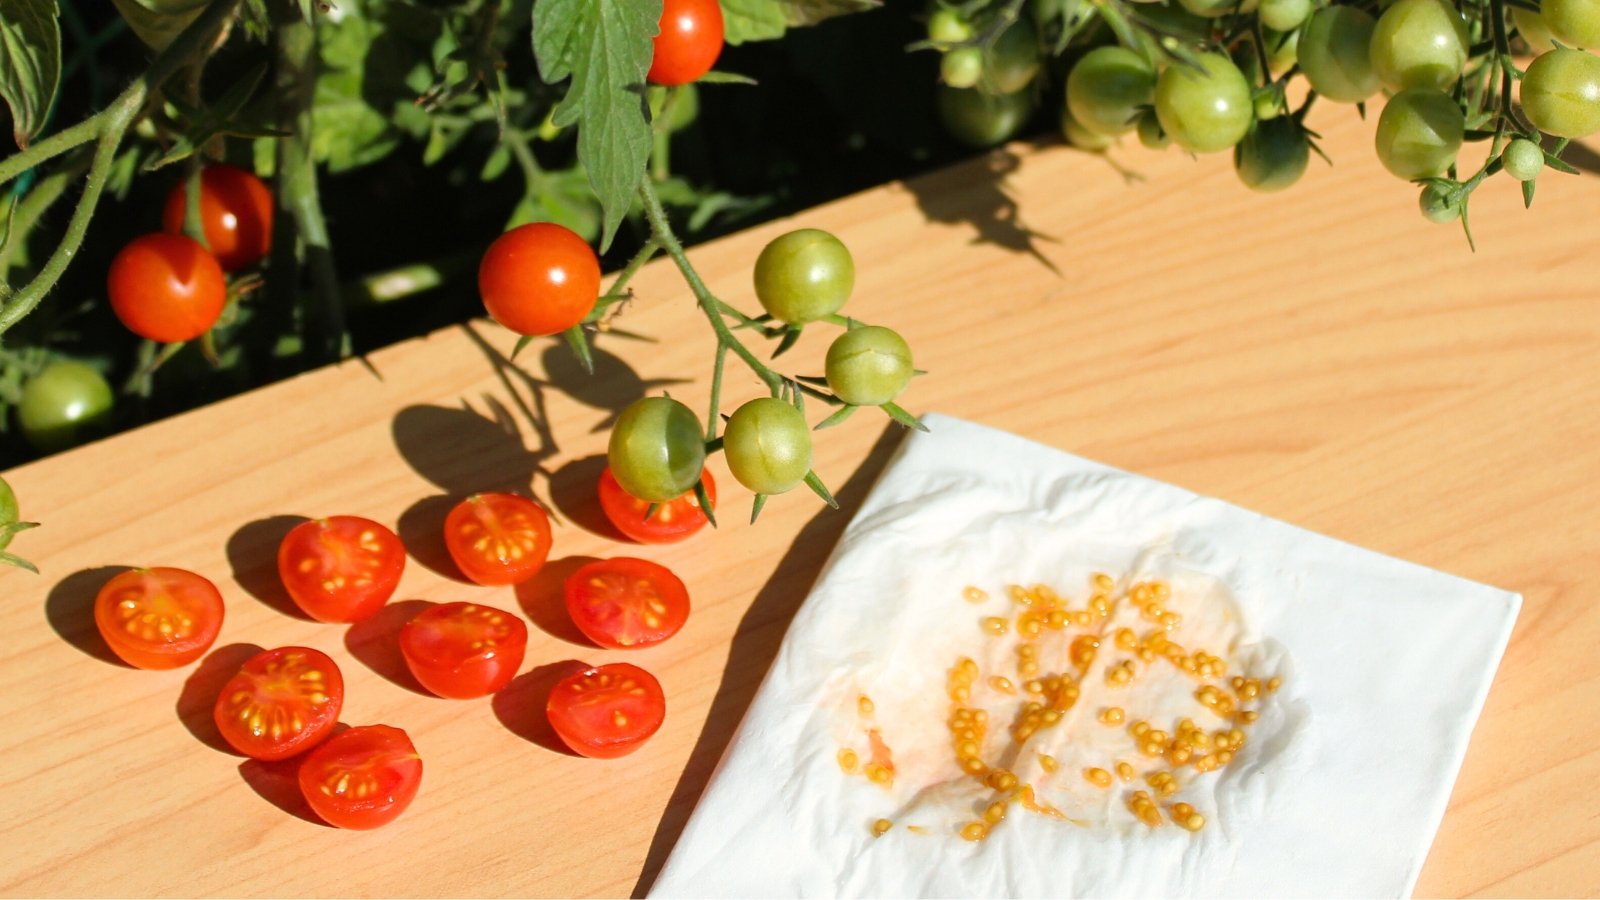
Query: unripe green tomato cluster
[[987, 93], [1419, 133], [768, 446], [1205, 110]]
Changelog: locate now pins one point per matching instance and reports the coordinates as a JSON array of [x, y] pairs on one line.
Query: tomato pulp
[[281, 703], [362, 778], [158, 618], [464, 650]]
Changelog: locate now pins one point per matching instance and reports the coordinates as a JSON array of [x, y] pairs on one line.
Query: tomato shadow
[[610, 387], [574, 493], [198, 699], [375, 641], [421, 529], [975, 193], [520, 705], [253, 556], [467, 449], [70, 611], [543, 598], [754, 645], [278, 783]]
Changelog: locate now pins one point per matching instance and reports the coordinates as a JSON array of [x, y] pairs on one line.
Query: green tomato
[[946, 26], [1283, 50], [1273, 155], [804, 275], [1106, 89], [981, 120], [159, 22], [962, 67], [1523, 160], [1419, 133], [657, 449], [63, 405], [1575, 23], [1437, 204], [1204, 111], [1335, 54], [768, 445], [1420, 43], [1212, 9], [1013, 60], [1561, 93], [1533, 29], [8, 512], [869, 366], [1284, 15], [1151, 134], [1086, 139]]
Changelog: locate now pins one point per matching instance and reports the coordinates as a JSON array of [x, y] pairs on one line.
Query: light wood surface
[[1323, 356]]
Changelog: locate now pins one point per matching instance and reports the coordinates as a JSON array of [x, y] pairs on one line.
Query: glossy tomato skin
[[158, 618], [341, 568], [607, 712], [282, 702], [166, 287], [689, 42], [673, 520], [464, 650], [64, 404], [362, 778], [235, 210], [624, 603], [498, 539], [539, 279]]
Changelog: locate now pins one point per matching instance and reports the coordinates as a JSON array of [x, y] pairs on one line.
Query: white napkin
[[1338, 792]]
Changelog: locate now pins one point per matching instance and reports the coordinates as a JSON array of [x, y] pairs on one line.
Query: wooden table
[[1324, 356]]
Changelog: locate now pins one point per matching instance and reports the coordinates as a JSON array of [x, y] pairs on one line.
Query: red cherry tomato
[[672, 521], [236, 211], [608, 711], [342, 568], [166, 287], [464, 650], [158, 618], [498, 538], [539, 279], [362, 778], [623, 602], [282, 702], [689, 42]]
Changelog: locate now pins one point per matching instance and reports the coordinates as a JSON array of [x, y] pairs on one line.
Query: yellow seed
[[1083, 650], [1081, 618], [1050, 717], [1194, 822], [877, 774], [848, 760], [1139, 729], [1027, 651], [1103, 582], [1124, 771], [1057, 619], [1001, 780], [1249, 716], [961, 694], [1120, 674], [1182, 810], [864, 705], [974, 766], [967, 748], [1097, 777], [995, 813], [1273, 684], [882, 826], [995, 625], [1035, 686], [1027, 668], [1179, 755], [1028, 625], [1157, 735], [1048, 763], [1126, 639], [1002, 684], [974, 831], [1111, 715], [980, 717], [972, 595], [1016, 592]]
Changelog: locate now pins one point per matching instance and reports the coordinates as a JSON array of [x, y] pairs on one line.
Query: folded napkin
[[1380, 668]]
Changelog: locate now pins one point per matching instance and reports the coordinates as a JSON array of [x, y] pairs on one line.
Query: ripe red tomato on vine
[[166, 287], [539, 279], [689, 42], [235, 210]]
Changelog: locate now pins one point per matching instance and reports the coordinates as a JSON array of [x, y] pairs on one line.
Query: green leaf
[[755, 507], [580, 348], [820, 489], [30, 63], [903, 417], [752, 20], [522, 342], [839, 415], [10, 559], [705, 501], [1527, 194], [159, 22], [715, 77]]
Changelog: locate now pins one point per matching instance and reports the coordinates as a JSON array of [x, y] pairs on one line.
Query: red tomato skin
[[605, 618], [539, 279], [235, 209], [596, 738], [436, 647], [349, 751], [340, 536], [674, 521], [497, 566], [148, 650], [166, 287], [266, 671], [689, 42]]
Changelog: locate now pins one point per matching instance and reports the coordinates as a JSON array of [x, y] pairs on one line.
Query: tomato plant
[[657, 451], [166, 287], [670, 521], [539, 279], [362, 778], [689, 42], [10, 524], [464, 650], [158, 618], [281, 703], [341, 568], [1273, 155], [498, 538], [607, 712], [235, 213], [625, 603], [63, 404]]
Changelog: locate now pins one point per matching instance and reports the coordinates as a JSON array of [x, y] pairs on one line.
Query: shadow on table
[[70, 611], [543, 598], [198, 699], [520, 705], [754, 645], [375, 641], [981, 201], [574, 493], [253, 557], [278, 783]]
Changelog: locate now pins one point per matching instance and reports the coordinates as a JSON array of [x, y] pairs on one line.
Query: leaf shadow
[[976, 193]]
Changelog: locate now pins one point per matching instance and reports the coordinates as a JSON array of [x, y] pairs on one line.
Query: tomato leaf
[[605, 46], [705, 501], [159, 23], [715, 77], [10, 559], [820, 489], [839, 415], [580, 348], [30, 63], [764, 20], [903, 417]]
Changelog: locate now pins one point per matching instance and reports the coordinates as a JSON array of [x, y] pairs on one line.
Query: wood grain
[[1323, 356]]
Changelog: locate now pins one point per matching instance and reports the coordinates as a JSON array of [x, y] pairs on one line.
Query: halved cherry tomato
[[342, 568], [282, 702], [235, 211], [498, 538], [158, 618], [464, 650], [625, 602], [608, 711], [672, 521], [362, 778]]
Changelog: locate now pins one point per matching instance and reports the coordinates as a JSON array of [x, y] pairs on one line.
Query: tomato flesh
[[362, 778], [158, 618], [672, 521], [498, 539], [464, 650], [342, 568], [282, 702], [608, 711], [623, 603]]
